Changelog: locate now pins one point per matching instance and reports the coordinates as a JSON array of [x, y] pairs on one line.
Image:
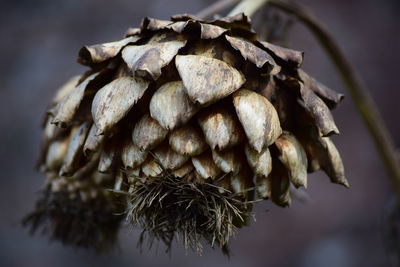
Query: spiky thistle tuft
[[73, 221], [172, 207]]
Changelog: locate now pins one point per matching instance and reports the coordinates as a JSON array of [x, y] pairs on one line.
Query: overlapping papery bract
[[205, 101]]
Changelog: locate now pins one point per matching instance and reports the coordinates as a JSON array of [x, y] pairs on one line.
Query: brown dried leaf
[[254, 54], [228, 160], [90, 55], [72, 160], [171, 106], [131, 155], [221, 129], [290, 57], [294, 158], [207, 80], [150, 58], [148, 133], [168, 158], [93, 141], [316, 108], [66, 109], [321, 152], [188, 140], [258, 117], [260, 162], [113, 101], [331, 97], [205, 166]]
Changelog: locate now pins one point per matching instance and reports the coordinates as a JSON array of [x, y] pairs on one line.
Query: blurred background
[[339, 227]]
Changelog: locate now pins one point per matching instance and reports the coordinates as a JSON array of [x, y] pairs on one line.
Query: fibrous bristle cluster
[[171, 207]]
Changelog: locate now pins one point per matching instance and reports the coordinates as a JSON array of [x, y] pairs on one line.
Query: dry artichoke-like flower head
[[190, 118]]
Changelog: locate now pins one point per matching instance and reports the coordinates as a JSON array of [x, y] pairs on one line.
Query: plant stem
[[215, 8], [248, 7], [358, 91]]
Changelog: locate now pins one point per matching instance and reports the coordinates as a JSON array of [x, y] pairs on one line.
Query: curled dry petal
[[205, 166], [184, 170], [93, 54], [188, 140], [132, 31], [66, 109], [93, 141], [148, 133], [171, 106], [180, 26], [228, 160], [168, 158], [287, 56], [75, 152], [207, 80], [151, 168], [294, 158], [332, 163], [55, 154], [254, 54], [109, 156], [153, 24], [258, 117], [66, 88], [220, 128], [317, 109], [113, 101], [239, 20], [331, 97], [263, 186], [208, 31], [322, 153], [131, 155], [152, 57], [260, 162]]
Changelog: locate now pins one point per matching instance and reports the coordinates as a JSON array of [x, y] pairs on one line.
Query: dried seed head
[[188, 118]]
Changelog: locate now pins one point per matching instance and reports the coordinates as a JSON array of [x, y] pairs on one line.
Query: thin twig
[[358, 91], [215, 8]]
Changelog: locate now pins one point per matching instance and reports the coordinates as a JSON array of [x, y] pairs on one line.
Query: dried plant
[[187, 118]]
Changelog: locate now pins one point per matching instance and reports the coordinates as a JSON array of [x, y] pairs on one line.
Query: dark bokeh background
[[340, 227]]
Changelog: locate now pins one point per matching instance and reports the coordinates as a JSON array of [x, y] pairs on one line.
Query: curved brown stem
[[358, 91], [216, 8]]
